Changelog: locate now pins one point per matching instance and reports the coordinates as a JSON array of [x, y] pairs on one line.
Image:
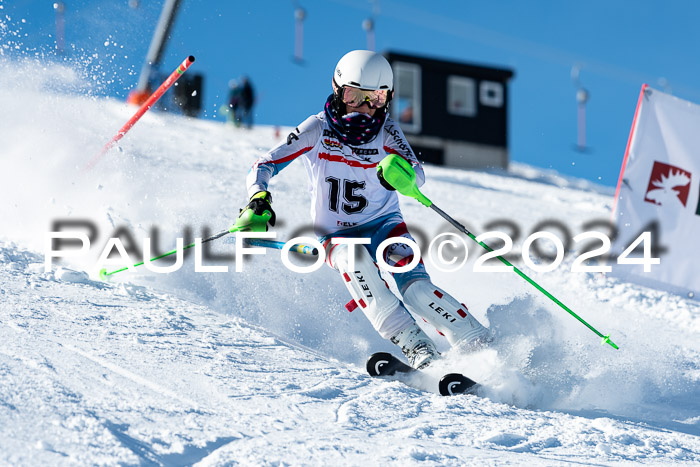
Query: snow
[[265, 366]]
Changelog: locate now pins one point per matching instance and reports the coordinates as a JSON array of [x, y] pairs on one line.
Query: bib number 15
[[352, 202]]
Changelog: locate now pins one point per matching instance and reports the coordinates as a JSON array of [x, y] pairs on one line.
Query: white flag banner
[[659, 192]]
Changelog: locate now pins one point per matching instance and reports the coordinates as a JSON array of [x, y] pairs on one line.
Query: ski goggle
[[355, 97]]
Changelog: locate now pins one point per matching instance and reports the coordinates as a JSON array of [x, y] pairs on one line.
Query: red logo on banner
[[666, 184]]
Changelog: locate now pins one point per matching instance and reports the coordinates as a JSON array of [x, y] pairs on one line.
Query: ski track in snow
[[265, 367]]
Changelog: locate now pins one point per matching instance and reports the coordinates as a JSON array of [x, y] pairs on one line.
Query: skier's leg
[[449, 316], [424, 299], [381, 307], [369, 291]]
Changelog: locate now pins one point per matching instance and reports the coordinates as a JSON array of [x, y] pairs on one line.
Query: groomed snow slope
[[266, 366]]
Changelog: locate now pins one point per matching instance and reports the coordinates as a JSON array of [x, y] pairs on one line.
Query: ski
[[384, 364]]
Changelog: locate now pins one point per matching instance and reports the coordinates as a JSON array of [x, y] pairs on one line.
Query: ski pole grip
[[399, 173]]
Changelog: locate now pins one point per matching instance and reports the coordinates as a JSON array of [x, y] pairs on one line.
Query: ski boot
[[415, 344]]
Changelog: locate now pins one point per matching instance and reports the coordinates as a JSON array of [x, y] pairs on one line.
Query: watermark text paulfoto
[[447, 251]]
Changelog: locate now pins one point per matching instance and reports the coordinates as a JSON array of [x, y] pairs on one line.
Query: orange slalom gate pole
[[144, 108]]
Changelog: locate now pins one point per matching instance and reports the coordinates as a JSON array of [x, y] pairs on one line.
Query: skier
[[342, 146]]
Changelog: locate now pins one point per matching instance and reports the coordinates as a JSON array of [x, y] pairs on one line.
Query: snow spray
[[144, 108]]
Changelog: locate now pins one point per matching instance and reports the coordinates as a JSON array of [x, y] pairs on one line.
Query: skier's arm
[[395, 143], [299, 141]]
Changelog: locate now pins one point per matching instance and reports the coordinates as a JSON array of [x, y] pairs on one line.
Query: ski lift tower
[[155, 52]]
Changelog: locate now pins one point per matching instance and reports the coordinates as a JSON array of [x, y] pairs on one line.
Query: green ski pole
[[104, 274], [246, 221], [298, 248], [398, 172]]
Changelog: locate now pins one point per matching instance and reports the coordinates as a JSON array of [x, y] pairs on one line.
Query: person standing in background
[[246, 101]]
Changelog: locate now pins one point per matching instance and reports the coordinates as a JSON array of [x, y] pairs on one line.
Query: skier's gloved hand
[[256, 215], [385, 184], [398, 173]]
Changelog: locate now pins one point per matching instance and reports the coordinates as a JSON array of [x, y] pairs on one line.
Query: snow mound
[[70, 275]]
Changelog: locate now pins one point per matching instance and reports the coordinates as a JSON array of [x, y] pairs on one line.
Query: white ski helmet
[[364, 69]]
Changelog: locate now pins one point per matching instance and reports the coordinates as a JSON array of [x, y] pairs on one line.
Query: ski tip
[[103, 274], [376, 363], [453, 384]]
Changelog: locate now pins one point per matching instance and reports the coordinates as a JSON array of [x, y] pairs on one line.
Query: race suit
[[343, 184], [347, 200]]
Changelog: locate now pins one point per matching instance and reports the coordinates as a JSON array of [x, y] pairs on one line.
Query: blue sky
[[617, 46]]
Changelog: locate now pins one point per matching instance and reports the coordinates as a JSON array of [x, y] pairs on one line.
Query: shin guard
[[448, 316], [370, 292]]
